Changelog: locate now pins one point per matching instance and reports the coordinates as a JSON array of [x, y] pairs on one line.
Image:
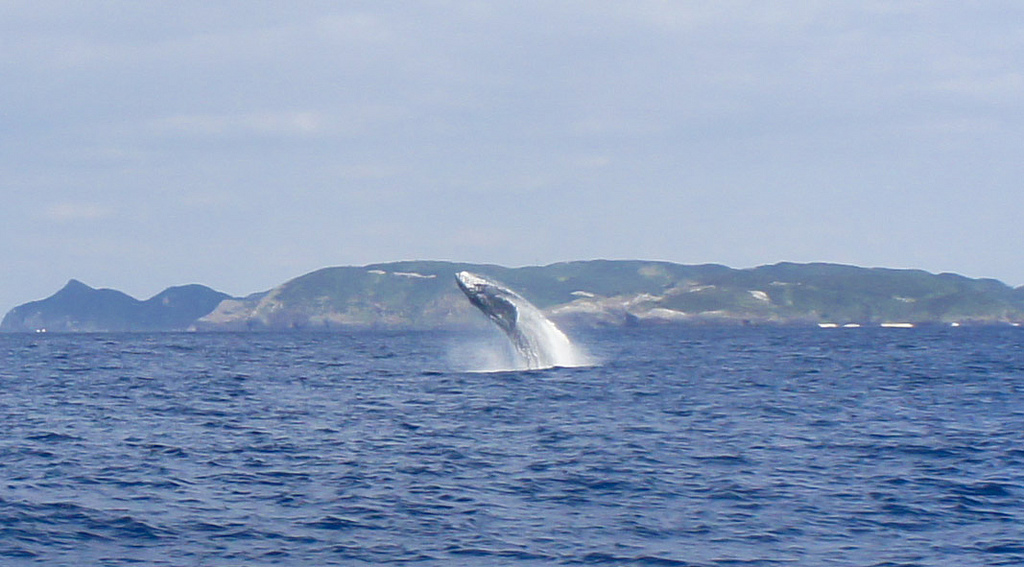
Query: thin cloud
[[67, 211], [264, 123], [353, 120]]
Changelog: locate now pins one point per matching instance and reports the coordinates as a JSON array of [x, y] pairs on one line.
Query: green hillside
[[423, 295]]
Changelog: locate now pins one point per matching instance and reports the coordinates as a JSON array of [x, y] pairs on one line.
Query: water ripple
[[702, 447]]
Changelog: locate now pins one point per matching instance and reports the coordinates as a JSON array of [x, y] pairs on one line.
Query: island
[[423, 295]]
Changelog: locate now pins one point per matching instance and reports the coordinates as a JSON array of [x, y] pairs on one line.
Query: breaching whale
[[536, 339]]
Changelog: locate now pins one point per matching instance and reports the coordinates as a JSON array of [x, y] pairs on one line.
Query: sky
[[242, 143]]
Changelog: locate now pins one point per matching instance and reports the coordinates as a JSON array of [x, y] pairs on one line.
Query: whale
[[538, 342]]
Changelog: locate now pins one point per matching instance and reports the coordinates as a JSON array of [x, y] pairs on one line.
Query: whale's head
[[495, 300], [472, 284]]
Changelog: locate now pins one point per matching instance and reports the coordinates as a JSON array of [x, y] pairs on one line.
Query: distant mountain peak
[[79, 307], [75, 285]]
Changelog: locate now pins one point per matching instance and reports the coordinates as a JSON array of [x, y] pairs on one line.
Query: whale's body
[[536, 339]]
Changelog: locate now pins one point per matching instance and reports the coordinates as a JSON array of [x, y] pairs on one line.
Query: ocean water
[[704, 447]]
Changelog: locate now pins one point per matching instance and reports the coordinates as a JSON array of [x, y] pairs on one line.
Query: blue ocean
[[679, 446]]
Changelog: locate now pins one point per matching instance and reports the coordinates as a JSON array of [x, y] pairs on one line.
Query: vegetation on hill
[[423, 295]]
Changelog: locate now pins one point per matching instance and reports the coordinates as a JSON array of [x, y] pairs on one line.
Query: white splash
[[546, 346]]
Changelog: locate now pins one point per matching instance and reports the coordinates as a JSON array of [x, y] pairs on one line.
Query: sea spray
[[538, 342]]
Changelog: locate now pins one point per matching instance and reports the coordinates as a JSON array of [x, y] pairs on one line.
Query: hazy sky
[[242, 143]]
